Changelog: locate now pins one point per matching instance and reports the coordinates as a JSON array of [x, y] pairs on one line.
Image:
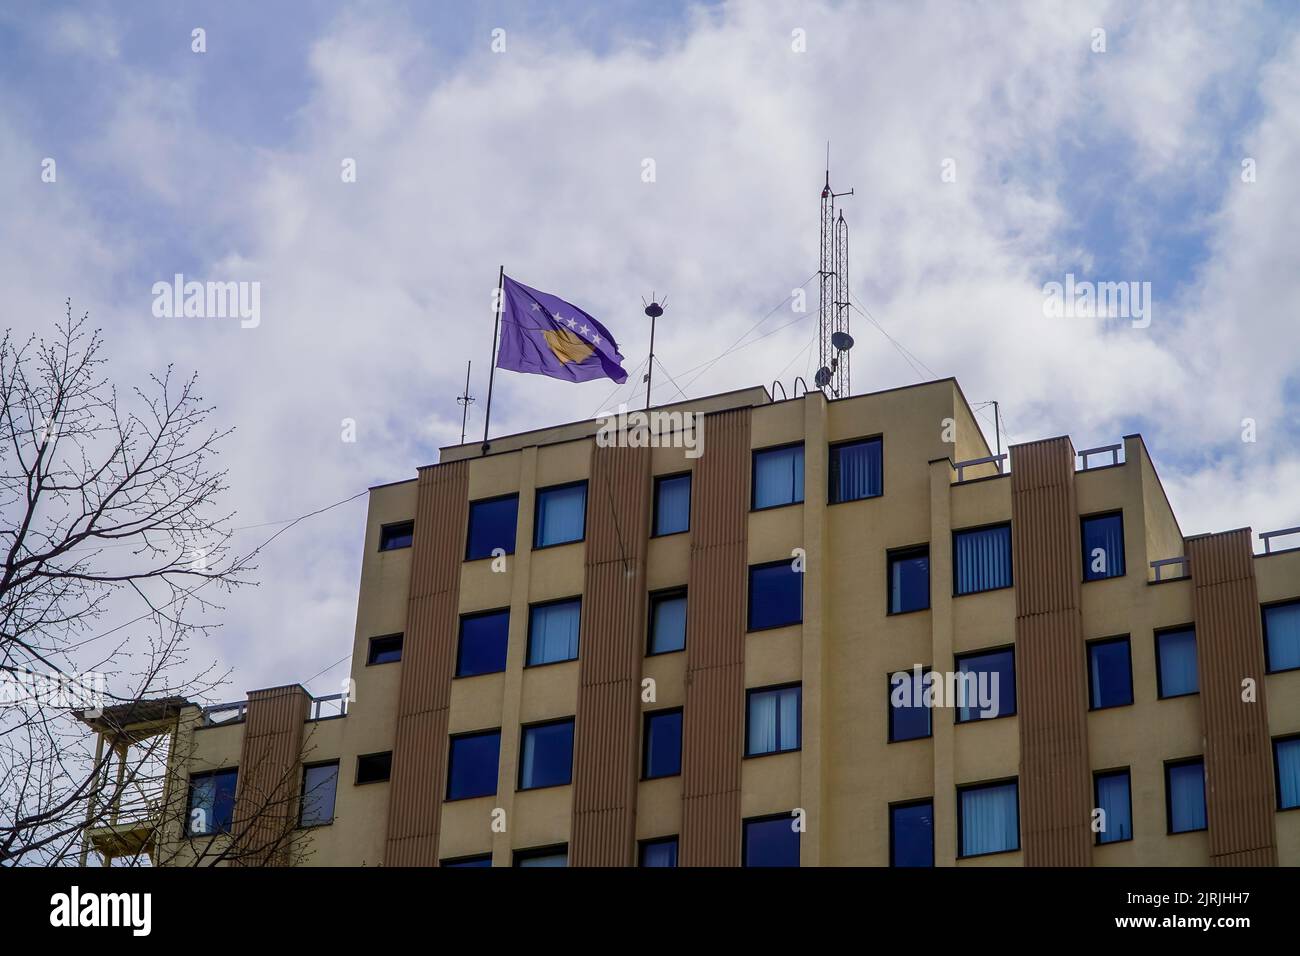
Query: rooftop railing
[[961, 466], [1268, 536], [1086, 453], [322, 708], [1159, 566]]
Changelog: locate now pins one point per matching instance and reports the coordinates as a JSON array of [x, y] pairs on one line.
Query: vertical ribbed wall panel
[[1229, 649], [606, 732], [266, 804], [713, 725], [428, 657], [1051, 676]]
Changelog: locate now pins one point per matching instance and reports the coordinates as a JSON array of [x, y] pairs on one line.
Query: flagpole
[[492, 366]]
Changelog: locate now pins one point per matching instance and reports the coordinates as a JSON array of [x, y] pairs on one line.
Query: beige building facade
[[724, 692]]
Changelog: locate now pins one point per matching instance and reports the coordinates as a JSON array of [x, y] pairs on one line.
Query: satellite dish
[[842, 341], [823, 377]]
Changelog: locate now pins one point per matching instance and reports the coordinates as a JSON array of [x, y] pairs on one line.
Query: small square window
[[1185, 795], [491, 527], [909, 580], [472, 762], [553, 631], [672, 504], [1111, 792], [661, 752], [773, 720], [981, 559], [771, 841], [482, 859], [211, 806], [395, 536], [319, 784], [660, 852], [778, 477], [1286, 767], [775, 595], [1176, 663], [988, 818], [482, 643], [909, 713], [667, 622], [1110, 673], [986, 686], [546, 755], [911, 834], [1103, 546], [561, 515], [374, 768], [385, 650], [856, 470], [1282, 637], [548, 856]]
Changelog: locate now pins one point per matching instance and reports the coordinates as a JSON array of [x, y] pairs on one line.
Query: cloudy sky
[[993, 149]]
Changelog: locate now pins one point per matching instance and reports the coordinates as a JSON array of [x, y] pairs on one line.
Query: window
[[981, 559], [667, 622], [672, 504], [561, 515], [483, 859], [911, 834], [1110, 673], [771, 841], [1185, 795], [319, 783], [547, 755], [988, 818], [909, 580], [1176, 663], [1282, 637], [775, 595], [661, 754], [986, 685], [855, 470], [1111, 792], [778, 477], [1286, 768], [543, 856], [481, 647], [472, 765], [374, 768], [909, 713], [491, 526], [395, 536], [660, 852], [385, 650], [553, 631], [773, 717], [1103, 546], [212, 802]]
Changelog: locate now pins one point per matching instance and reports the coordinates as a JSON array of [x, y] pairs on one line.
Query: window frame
[[537, 512], [370, 648], [787, 816], [302, 793], [641, 846], [749, 590], [1169, 806], [663, 594], [957, 658], [1011, 557], [1155, 636], [646, 717], [1123, 537], [904, 805], [1263, 623], [356, 776], [961, 817], [523, 733], [471, 858], [469, 518], [189, 801], [654, 510], [1088, 646], [831, 448], [385, 529], [528, 637], [753, 475], [1277, 771], [768, 688], [496, 783], [536, 852], [460, 636], [889, 708], [911, 551], [1097, 775]]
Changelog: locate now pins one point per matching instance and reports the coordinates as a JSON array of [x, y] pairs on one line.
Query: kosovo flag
[[543, 334]]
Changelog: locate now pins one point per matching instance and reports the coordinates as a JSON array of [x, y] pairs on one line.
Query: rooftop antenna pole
[[498, 306], [833, 338], [997, 430], [464, 400], [653, 310]]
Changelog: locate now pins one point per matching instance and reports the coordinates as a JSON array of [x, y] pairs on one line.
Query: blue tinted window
[[394, 536], [672, 504], [1103, 547], [1282, 636], [212, 802], [662, 752], [775, 595], [561, 515], [547, 759], [385, 650], [986, 685], [1185, 791], [1113, 800], [491, 526], [667, 623], [855, 471], [982, 559], [553, 632], [319, 783], [1110, 678], [909, 714], [989, 819], [543, 858], [659, 852], [1176, 663], [482, 645], [469, 861], [1286, 759], [472, 765], [773, 724], [771, 842], [778, 477], [909, 580], [911, 834]]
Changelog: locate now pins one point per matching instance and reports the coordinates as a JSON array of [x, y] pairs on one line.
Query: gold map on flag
[[567, 346]]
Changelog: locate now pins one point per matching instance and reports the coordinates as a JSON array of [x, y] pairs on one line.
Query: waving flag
[[544, 335]]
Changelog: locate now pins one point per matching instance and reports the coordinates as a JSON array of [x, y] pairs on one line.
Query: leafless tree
[[115, 550]]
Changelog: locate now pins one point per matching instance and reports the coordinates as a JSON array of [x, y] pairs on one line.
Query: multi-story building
[[718, 651]]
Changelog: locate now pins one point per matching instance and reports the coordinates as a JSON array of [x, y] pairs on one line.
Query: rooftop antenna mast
[[833, 338], [652, 311], [464, 400]]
